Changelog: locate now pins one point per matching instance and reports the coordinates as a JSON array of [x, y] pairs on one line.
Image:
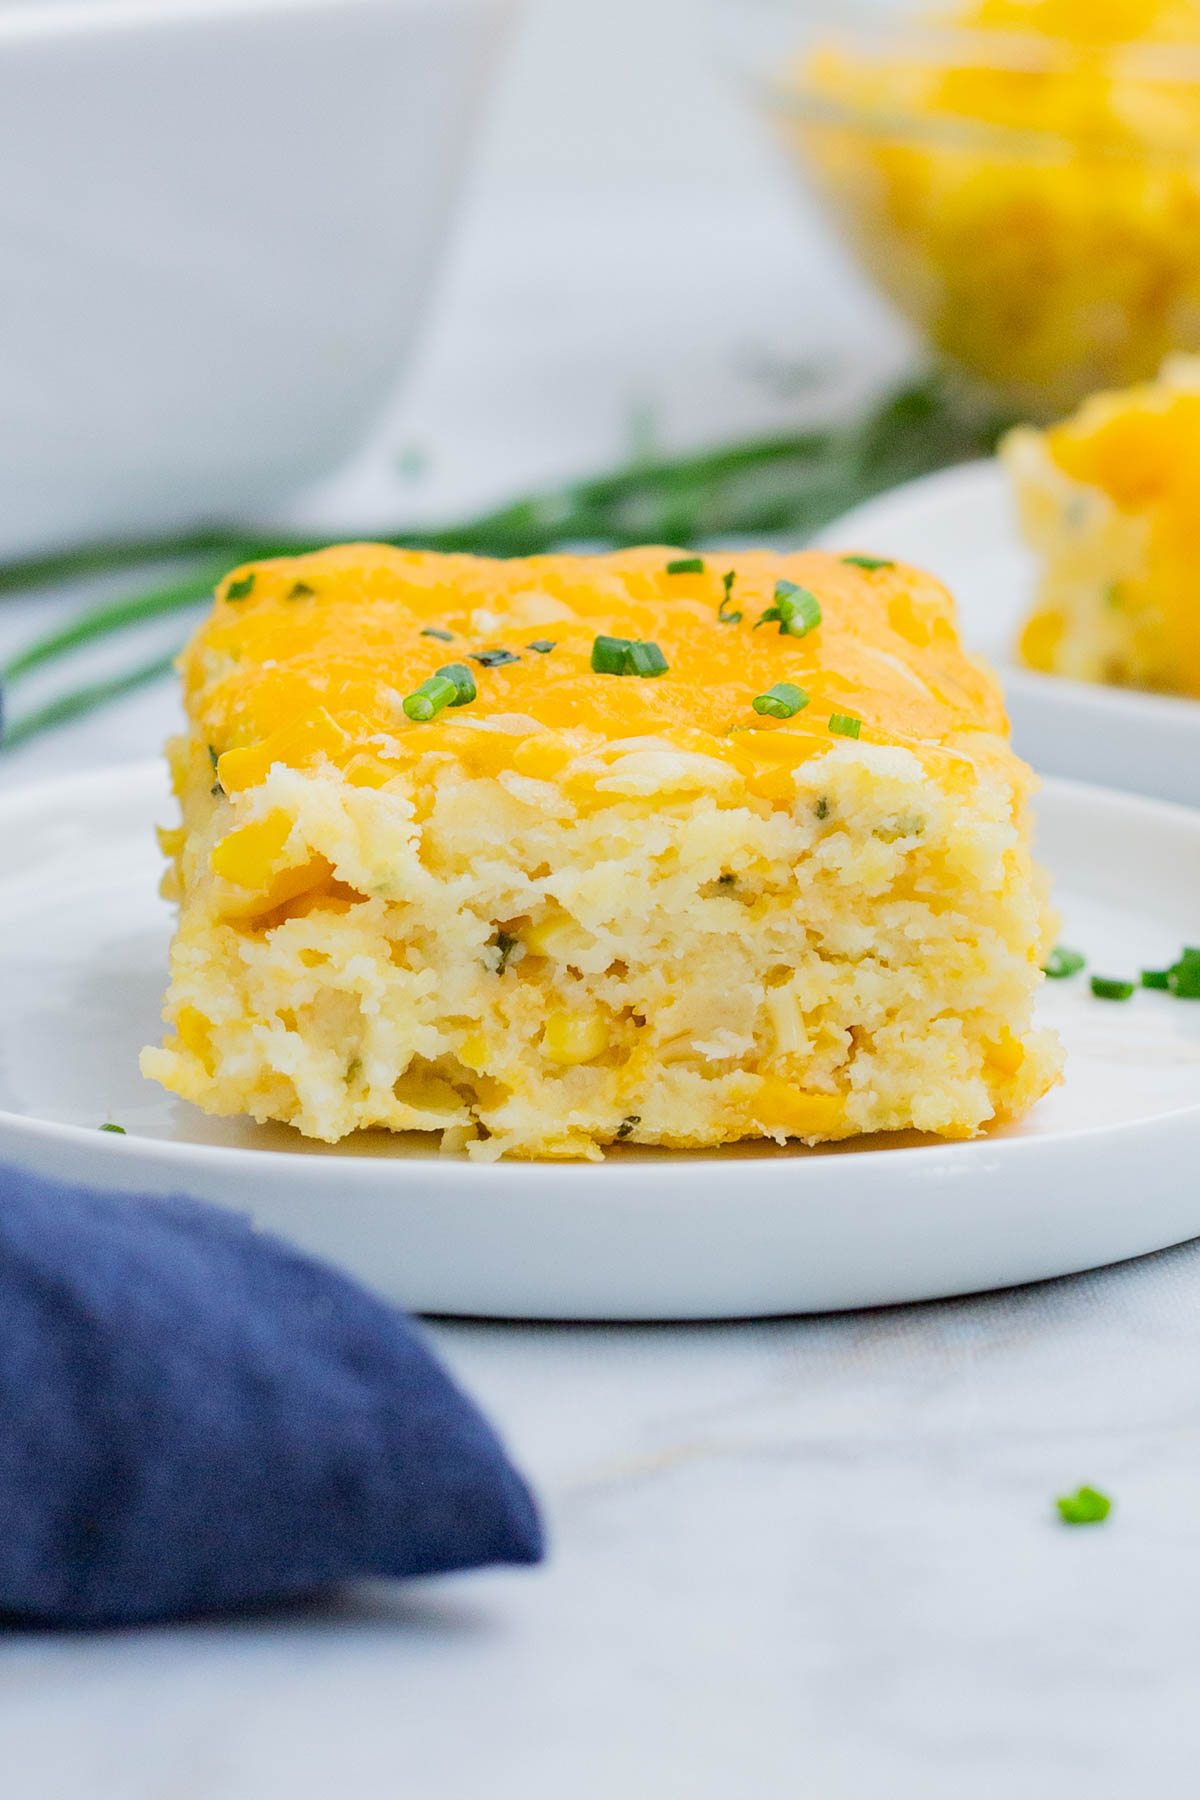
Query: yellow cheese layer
[[308, 658]]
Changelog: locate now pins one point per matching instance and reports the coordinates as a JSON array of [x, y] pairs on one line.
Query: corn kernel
[[799, 1114], [559, 936], [250, 856], [541, 757], [571, 1038], [193, 1029], [1007, 1054]]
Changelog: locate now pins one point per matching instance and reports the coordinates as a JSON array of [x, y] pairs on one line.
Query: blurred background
[[634, 268]]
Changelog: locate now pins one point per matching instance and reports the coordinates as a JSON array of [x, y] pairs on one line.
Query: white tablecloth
[[804, 1558]]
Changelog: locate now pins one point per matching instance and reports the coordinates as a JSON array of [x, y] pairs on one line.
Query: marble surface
[[808, 1558]]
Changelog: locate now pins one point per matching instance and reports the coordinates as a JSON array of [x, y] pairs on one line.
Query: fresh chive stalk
[[845, 725]]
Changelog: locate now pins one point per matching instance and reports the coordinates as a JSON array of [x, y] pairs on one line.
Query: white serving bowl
[[218, 224]]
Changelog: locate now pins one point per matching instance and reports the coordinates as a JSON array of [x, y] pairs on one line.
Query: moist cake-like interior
[[1110, 501], [587, 906]]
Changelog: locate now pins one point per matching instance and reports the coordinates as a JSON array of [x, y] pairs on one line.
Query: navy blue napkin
[[194, 1416]]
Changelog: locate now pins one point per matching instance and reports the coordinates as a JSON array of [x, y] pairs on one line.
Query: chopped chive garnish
[[447, 637], [797, 610], [822, 808], [464, 682], [869, 562], [845, 725], [216, 788], [1086, 1506], [609, 655], [627, 656], [1062, 962], [1157, 978], [494, 659], [1183, 977], [237, 590], [627, 1125], [783, 701], [647, 660], [506, 945], [686, 565], [723, 616], [300, 590], [543, 646], [120, 1129], [430, 697], [1106, 989]]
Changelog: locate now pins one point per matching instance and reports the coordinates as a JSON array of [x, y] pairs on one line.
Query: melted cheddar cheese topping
[[310, 658]]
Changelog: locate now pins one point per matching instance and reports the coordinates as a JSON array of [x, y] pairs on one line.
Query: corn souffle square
[[1110, 501], [647, 848]]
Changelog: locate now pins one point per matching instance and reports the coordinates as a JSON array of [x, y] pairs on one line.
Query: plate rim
[[939, 1159]]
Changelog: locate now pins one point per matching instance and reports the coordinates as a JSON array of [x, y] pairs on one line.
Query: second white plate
[[961, 525], [1104, 1168]]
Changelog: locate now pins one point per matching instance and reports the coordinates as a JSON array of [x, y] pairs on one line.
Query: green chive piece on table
[[464, 682], [1184, 976], [686, 565], [845, 725], [119, 1129], [430, 697], [870, 563], [240, 590], [1105, 989], [1086, 1506], [1062, 962], [1157, 978], [783, 701]]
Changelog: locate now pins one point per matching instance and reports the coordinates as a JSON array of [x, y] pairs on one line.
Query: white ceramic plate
[[1104, 1168], [961, 526]]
